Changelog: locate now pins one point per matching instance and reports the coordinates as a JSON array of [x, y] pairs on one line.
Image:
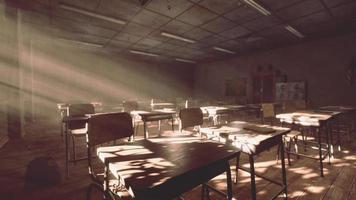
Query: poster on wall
[[290, 91]]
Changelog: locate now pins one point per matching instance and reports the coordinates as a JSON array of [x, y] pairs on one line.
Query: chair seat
[[78, 132]]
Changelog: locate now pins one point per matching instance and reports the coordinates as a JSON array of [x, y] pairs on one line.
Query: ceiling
[[229, 24]]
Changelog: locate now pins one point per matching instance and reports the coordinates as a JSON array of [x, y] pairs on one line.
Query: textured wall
[[45, 70], [63, 72], [321, 63]]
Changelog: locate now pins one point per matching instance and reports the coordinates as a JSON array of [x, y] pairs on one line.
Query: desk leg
[[66, 148], [61, 123], [215, 120], [284, 176], [145, 132], [328, 132], [253, 181], [172, 124], [237, 168], [331, 140], [320, 153], [338, 134], [228, 181]]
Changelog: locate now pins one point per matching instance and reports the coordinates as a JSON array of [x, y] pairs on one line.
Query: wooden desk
[[66, 120], [343, 109], [347, 117], [320, 119], [252, 139], [156, 115], [162, 105], [165, 167], [215, 112]]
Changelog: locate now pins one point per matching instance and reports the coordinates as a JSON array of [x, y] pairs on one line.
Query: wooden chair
[[105, 128], [190, 117], [193, 117], [129, 106], [77, 129], [268, 113]]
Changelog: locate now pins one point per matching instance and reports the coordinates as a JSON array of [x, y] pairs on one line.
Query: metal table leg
[[172, 124], [145, 132], [284, 176], [253, 181], [228, 181], [320, 153], [66, 148]]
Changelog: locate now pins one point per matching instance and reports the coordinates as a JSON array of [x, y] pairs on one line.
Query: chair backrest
[[267, 110], [108, 127], [79, 110], [190, 117], [268, 113]]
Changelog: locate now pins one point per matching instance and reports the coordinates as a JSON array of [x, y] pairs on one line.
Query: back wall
[[321, 63]]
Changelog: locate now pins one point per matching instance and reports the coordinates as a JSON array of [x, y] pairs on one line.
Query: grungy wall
[[321, 63]]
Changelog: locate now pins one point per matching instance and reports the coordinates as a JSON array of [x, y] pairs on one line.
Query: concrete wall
[[321, 63], [63, 71], [41, 71]]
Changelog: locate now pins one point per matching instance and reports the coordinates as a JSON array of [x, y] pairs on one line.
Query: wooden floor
[[304, 183]]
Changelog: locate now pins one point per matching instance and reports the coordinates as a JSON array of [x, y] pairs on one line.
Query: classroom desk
[[252, 139], [319, 119], [66, 120], [165, 167], [346, 117], [156, 115], [343, 109], [215, 112]]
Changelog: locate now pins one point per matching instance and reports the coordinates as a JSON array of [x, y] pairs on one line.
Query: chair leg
[[74, 152], [304, 139], [296, 146], [237, 168], [277, 156], [289, 146]]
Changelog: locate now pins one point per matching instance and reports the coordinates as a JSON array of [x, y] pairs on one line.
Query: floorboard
[[43, 138]]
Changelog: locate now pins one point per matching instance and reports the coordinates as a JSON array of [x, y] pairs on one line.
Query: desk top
[[342, 109], [213, 110], [225, 109], [250, 138], [157, 113], [66, 119], [307, 117], [163, 168], [162, 104]]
